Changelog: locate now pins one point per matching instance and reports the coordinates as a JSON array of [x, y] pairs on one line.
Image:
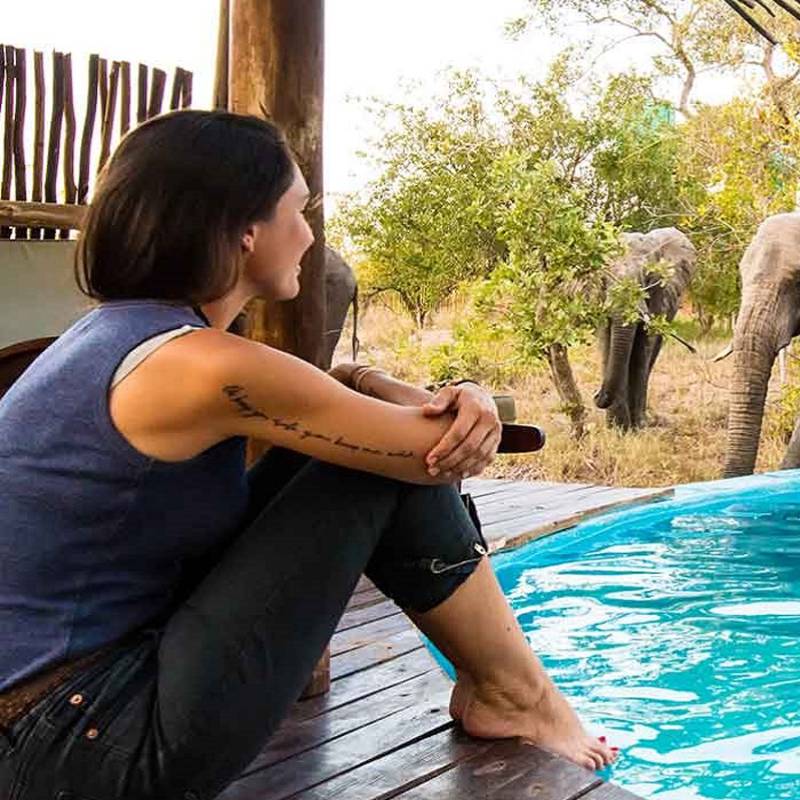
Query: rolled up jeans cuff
[[420, 584]]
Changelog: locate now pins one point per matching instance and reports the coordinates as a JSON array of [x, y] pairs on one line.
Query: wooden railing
[[54, 144]]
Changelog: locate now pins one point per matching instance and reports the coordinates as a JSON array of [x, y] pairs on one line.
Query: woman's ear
[[249, 240]]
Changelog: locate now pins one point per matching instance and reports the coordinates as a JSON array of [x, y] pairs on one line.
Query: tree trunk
[[568, 391]]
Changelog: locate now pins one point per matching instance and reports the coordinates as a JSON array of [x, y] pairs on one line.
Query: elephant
[[768, 320], [341, 291], [628, 351]]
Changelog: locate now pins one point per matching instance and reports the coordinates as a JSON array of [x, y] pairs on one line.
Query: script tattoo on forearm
[[238, 396]]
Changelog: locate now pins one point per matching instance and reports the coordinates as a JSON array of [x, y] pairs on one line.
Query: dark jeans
[[179, 710]]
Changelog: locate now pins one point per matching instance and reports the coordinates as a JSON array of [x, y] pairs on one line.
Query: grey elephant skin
[[768, 320], [629, 352], [341, 291]]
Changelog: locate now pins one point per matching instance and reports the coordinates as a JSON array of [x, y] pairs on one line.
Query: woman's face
[[273, 249]]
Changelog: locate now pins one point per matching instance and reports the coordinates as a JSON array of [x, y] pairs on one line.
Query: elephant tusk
[[690, 347], [723, 354]]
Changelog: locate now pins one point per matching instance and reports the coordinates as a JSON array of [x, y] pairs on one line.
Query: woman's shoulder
[[159, 406]]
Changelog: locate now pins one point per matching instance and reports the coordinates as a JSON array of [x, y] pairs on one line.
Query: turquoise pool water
[[674, 628]]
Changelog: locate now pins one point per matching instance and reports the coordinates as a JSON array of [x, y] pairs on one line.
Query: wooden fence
[[55, 145]]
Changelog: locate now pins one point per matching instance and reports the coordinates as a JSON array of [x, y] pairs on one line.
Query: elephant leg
[[792, 458]]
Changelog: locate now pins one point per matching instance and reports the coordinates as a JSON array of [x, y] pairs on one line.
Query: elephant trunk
[[754, 352], [615, 377]]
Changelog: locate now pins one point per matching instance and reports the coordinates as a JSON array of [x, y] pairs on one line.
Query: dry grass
[[683, 442]]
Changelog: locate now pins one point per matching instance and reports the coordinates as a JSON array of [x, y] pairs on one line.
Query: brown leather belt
[[17, 701]]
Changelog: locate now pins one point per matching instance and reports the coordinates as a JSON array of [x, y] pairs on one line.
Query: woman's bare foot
[[460, 696], [546, 720]]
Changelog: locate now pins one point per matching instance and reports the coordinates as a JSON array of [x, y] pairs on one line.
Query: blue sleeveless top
[[96, 538]]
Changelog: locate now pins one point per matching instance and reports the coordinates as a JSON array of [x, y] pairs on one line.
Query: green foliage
[[482, 348], [739, 166], [551, 284], [425, 224]]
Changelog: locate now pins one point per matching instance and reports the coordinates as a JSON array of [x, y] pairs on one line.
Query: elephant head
[[341, 291], [629, 352], [769, 317]]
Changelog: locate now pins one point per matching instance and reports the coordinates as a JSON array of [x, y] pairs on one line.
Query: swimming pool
[[674, 629]]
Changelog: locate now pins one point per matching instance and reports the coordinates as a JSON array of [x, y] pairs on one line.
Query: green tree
[[551, 285], [740, 164], [425, 224], [692, 37]]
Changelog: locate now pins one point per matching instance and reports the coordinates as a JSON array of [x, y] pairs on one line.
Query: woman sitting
[[161, 607]]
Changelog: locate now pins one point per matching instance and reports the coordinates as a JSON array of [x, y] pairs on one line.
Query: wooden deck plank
[[366, 598], [508, 770], [367, 683], [298, 736], [377, 653], [403, 769], [368, 633], [610, 791], [348, 752], [352, 618]]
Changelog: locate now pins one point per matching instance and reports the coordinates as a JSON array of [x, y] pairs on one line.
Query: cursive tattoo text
[[238, 397]]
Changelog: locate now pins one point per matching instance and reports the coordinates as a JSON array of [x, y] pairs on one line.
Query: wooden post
[[70, 187], [88, 128], [220, 99], [8, 137], [54, 136], [38, 134], [20, 181], [276, 68]]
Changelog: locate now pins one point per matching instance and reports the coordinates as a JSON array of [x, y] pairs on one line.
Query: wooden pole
[[20, 172], [186, 89], [141, 95], [276, 68], [8, 137], [70, 187], [88, 129], [157, 85], [220, 99], [177, 86], [38, 134], [54, 136], [109, 112], [125, 104]]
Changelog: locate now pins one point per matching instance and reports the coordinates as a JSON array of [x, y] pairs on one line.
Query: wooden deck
[[384, 731]]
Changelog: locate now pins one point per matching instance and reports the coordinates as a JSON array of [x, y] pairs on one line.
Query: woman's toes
[[603, 751], [597, 759]]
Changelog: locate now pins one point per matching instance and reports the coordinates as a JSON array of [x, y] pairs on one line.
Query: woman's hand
[[470, 444]]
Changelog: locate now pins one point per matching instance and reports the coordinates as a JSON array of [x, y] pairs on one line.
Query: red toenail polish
[[601, 738]]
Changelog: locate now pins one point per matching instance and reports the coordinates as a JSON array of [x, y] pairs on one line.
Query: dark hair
[[172, 203]]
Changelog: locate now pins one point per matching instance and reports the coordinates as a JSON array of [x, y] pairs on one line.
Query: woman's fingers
[[481, 458], [454, 445]]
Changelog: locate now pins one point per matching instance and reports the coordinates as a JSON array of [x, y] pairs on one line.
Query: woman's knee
[[432, 547]]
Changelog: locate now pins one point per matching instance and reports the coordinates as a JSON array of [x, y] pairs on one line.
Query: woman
[[161, 609]]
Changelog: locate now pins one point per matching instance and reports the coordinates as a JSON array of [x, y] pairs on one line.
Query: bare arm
[[254, 390], [381, 385]]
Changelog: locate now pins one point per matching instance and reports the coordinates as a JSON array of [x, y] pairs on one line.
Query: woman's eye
[[313, 204]]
